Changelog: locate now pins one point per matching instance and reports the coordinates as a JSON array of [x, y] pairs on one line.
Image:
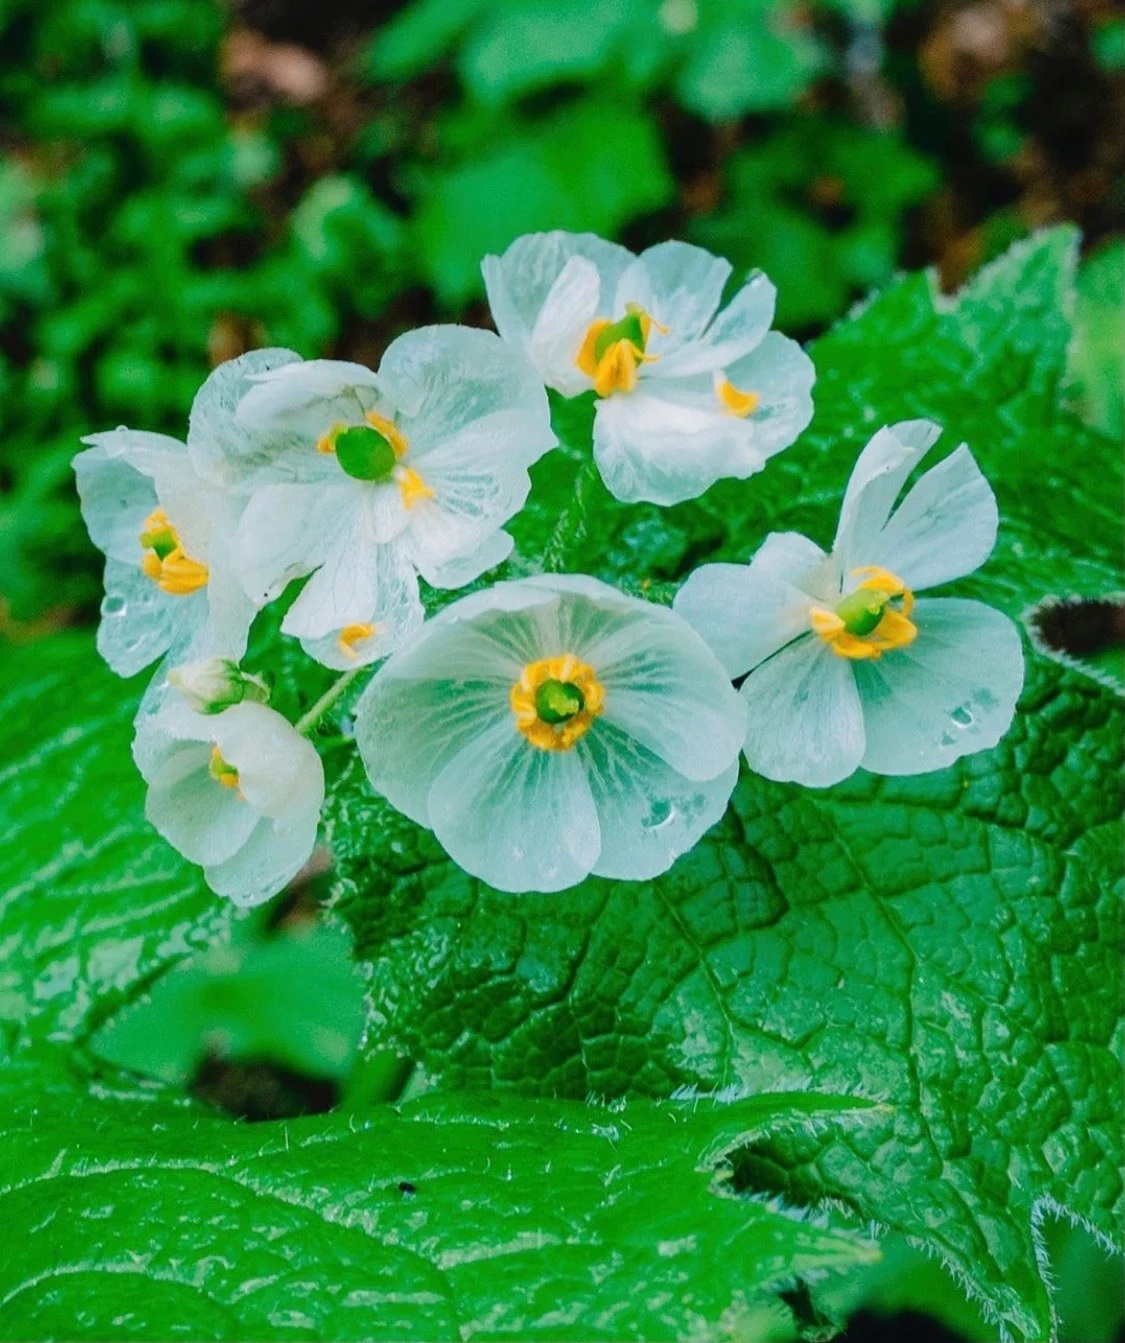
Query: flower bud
[[215, 684]]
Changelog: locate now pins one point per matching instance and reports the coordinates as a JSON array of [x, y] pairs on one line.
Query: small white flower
[[550, 728], [166, 536], [845, 668], [367, 480], [238, 792], [688, 394]]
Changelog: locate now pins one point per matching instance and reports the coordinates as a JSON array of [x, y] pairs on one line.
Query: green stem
[[570, 531], [309, 721]]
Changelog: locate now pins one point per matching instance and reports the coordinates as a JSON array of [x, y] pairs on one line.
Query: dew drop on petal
[[113, 604], [963, 716], [660, 814]]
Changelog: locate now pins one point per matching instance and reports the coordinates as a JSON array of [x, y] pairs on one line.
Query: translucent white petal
[[665, 689], [457, 379], [396, 615], [464, 569], [876, 482], [804, 721], [344, 590], [648, 814], [286, 531], [140, 621], [116, 498], [519, 818], [782, 376], [943, 529], [953, 691], [745, 613], [570, 307], [735, 331], [653, 450], [218, 444], [279, 771], [679, 286], [195, 813], [272, 856], [519, 283]]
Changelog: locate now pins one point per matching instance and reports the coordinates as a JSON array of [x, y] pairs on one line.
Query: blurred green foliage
[[184, 179]]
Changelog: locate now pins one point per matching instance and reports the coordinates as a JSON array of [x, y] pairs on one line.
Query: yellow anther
[[578, 699], [412, 487], [164, 561], [734, 401], [864, 624], [390, 431], [611, 352], [351, 635], [326, 443], [221, 771]]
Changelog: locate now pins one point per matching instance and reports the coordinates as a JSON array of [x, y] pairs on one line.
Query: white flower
[[845, 668], [238, 792], [215, 684], [367, 480], [552, 727], [166, 536], [688, 394]]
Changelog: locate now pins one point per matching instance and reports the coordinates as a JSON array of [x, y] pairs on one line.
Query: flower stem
[[570, 530], [312, 718]]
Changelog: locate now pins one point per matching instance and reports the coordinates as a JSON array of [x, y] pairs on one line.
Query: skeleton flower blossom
[[238, 792], [688, 392], [845, 668], [166, 536], [367, 480], [550, 728]]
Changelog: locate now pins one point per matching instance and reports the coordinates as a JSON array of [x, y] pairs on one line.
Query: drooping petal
[[271, 857], [943, 529], [457, 379], [735, 331], [396, 615], [220, 447], [745, 613], [288, 530], [519, 285], [466, 568], [344, 590], [665, 689], [804, 722], [279, 771], [519, 818], [650, 449], [953, 691], [876, 482], [648, 814], [206, 822], [679, 286]]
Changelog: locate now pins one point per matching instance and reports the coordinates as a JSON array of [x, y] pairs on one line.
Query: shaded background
[[182, 180]]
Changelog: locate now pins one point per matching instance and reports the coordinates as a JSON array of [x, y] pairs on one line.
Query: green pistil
[[365, 454], [629, 328], [161, 542], [862, 610], [558, 701]]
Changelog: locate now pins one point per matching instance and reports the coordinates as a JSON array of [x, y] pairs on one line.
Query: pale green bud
[[216, 684]]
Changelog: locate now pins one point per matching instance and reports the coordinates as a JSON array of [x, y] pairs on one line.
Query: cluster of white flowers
[[552, 727]]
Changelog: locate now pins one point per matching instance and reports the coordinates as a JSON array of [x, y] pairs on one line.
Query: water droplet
[[113, 604], [660, 814], [963, 716]]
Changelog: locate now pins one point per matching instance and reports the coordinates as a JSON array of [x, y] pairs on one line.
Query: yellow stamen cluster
[[611, 352], [164, 560], [412, 487], [351, 635], [864, 624], [223, 773], [733, 400], [569, 675]]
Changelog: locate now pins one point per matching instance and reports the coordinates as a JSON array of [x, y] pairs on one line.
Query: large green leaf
[[446, 1218], [91, 900], [949, 943]]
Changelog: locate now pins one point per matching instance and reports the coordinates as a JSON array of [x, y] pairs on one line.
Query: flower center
[[865, 624], [372, 452], [612, 351], [164, 560], [222, 772], [555, 702]]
